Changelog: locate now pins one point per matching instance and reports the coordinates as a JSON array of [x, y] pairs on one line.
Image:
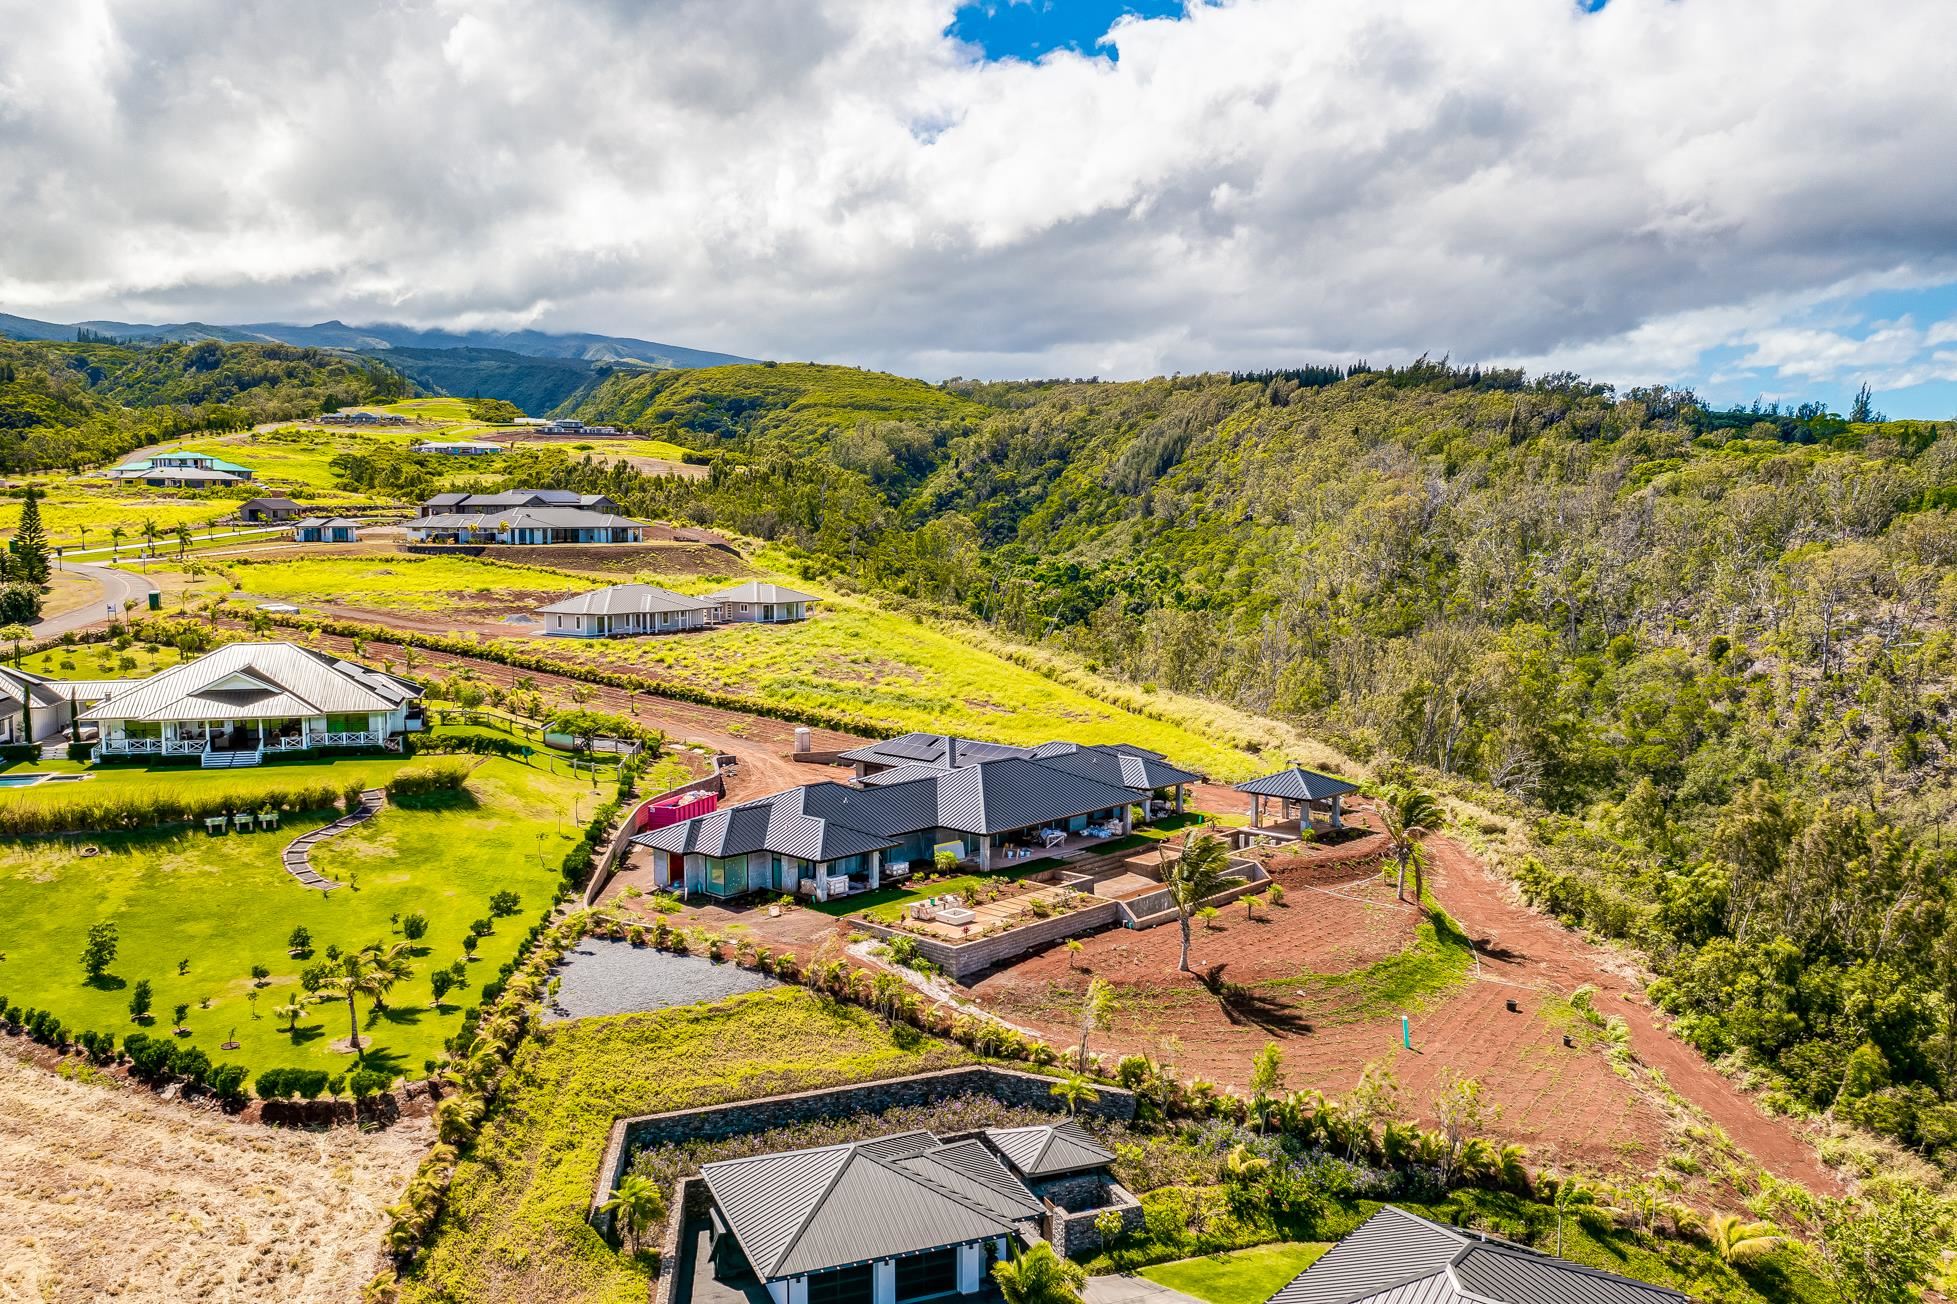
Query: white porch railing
[[133, 746], [356, 738], [295, 743]]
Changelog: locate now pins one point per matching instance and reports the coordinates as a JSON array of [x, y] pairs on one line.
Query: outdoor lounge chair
[[242, 821], [268, 819], [214, 824]]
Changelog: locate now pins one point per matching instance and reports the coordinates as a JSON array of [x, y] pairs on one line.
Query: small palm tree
[[1737, 1241], [355, 978], [1570, 1197], [1192, 877], [116, 532], [1096, 1012], [636, 1205], [1039, 1276], [1409, 814], [290, 1012], [1076, 1091]]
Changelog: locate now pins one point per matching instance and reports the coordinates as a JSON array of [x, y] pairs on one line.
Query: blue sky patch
[[1027, 29]]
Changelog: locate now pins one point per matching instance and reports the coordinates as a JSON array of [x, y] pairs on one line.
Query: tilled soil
[[107, 1192]]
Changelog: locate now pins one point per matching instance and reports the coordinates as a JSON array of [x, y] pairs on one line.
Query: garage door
[[842, 1286], [921, 1276]]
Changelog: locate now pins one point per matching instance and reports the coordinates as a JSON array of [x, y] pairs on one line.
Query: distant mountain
[[535, 384], [383, 336]]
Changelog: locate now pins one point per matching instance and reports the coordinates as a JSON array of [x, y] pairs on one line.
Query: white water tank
[[802, 738]]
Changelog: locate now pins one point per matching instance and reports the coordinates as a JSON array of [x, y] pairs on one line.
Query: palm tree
[[636, 1205], [16, 634], [1076, 1091], [1096, 1011], [354, 979], [182, 533], [387, 964], [1737, 1241], [290, 1012], [149, 540], [1195, 875], [115, 540], [1039, 1276], [1570, 1196], [1409, 814]]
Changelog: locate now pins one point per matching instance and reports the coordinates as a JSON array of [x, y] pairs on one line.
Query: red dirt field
[[1567, 1104]]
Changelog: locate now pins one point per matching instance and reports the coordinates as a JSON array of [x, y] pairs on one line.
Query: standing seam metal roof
[[1049, 1149], [1299, 784], [1396, 1257]]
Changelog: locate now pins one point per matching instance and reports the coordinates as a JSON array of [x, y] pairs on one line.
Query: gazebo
[[1297, 790]]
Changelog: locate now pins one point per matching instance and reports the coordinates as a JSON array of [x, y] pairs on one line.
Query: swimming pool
[[29, 780]]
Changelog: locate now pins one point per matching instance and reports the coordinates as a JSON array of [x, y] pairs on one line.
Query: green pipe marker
[[1406, 1032]]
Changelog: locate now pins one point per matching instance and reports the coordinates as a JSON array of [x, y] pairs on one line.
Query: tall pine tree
[[29, 546]]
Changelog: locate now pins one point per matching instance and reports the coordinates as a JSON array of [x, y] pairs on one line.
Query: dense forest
[[68, 406], [1709, 653]]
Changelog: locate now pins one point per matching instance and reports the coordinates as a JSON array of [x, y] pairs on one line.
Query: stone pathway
[[297, 852]]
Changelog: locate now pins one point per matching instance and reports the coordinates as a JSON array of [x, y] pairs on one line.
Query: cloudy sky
[[1758, 200]]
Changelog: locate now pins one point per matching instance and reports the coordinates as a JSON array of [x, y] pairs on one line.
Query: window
[[920, 1276], [346, 724], [841, 1286]]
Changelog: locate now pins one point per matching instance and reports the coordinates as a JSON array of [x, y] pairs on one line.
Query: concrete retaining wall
[[716, 783], [739, 1118], [961, 960]]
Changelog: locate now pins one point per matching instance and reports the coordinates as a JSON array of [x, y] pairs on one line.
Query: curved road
[[116, 587]]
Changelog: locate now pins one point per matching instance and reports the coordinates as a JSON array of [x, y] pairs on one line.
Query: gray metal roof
[[761, 591], [257, 681], [326, 523], [629, 599], [1120, 764], [517, 498], [942, 750], [1299, 784], [274, 501], [773, 824], [1396, 1257], [1015, 793], [1133, 770], [549, 518], [1049, 1149], [804, 1211]]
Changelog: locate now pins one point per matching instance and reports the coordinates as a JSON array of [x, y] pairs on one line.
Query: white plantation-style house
[[625, 609], [176, 469], [762, 603], [233, 705], [525, 525], [37, 709]]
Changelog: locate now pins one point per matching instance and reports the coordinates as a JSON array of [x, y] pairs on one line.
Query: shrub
[[504, 903], [140, 997], [300, 941], [368, 1082], [227, 1081], [149, 1057], [423, 780], [190, 1064], [275, 1084], [414, 926]]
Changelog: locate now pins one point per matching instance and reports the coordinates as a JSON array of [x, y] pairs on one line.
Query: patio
[[954, 917]]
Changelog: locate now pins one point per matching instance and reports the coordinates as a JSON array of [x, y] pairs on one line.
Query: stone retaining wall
[[738, 1118], [961, 960], [1075, 1235]]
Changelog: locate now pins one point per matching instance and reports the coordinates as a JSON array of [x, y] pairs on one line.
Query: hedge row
[[98, 808], [150, 1059], [420, 780]]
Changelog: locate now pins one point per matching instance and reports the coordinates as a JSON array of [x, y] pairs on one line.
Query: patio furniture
[[242, 821], [268, 819], [214, 824], [1053, 837]]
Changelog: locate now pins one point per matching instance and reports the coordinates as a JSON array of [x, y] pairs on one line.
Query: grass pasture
[[405, 582], [1239, 1276], [226, 904], [515, 1225]]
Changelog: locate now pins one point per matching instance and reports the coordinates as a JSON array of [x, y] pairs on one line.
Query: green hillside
[[534, 384], [1708, 654], [72, 405]]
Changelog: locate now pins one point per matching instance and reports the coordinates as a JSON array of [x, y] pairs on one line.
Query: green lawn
[[515, 1227], [1239, 1276], [885, 905], [403, 582], [225, 904]]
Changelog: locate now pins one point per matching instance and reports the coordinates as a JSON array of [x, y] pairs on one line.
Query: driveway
[[114, 586], [1129, 1288]]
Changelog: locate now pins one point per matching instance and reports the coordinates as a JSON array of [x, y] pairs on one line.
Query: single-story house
[[889, 1221], [457, 447], [347, 418], [1122, 764], [1396, 1257], [233, 704], [454, 503], [268, 509], [833, 839], [1298, 791], [626, 609], [336, 529], [526, 525], [37, 709], [177, 469], [759, 601]]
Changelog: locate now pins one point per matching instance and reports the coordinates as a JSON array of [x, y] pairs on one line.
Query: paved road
[[116, 587]]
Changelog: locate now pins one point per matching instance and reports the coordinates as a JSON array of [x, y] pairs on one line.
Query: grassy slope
[[402, 582], [1239, 1276], [226, 904], [515, 1229], [800, 402]]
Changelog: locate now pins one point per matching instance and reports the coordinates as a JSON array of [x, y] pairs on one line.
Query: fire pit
[[956, 916]]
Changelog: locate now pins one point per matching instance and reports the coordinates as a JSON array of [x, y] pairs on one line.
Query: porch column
[[971, 1268], [1256, 810], [985, 851], [876, 881], [821, 882], [1338, 818], [1179, 788], [883, 1282], [798, 1291]]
